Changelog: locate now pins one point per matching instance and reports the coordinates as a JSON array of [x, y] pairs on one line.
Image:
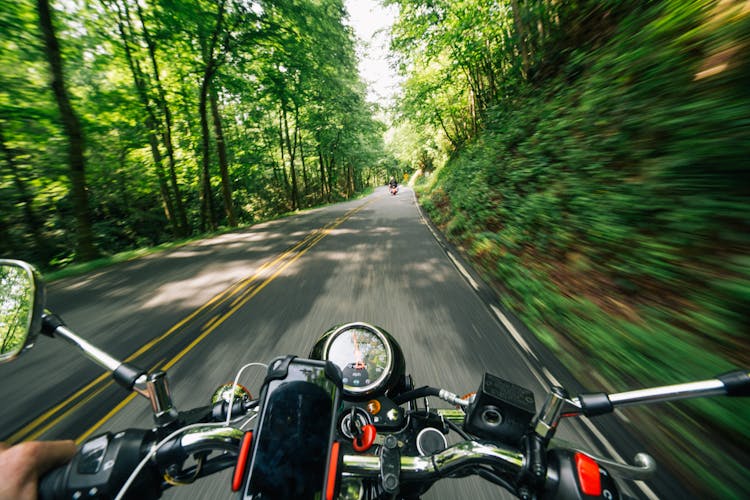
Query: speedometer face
[[364, 356]]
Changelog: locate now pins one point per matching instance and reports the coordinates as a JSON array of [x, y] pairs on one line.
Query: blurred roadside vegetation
[[604, 191]]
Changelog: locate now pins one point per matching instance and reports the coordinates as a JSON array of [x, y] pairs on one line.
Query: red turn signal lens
[[588, 475], [239, 469]]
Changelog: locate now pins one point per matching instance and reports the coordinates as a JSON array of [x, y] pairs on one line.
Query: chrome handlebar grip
[[452, 459], [211, 438], [712, 387]]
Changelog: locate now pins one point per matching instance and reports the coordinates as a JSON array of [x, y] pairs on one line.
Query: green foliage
[[135, 70], [607, 196]]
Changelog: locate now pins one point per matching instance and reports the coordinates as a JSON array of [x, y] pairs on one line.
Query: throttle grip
[[52, 484], [100, 468]]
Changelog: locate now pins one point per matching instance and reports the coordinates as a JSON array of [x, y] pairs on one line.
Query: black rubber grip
[[50, 323], [737, 382], [595, 404], [52, 484], [127, 374]]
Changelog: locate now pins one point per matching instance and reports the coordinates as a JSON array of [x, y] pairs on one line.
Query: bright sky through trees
[[371, 22]]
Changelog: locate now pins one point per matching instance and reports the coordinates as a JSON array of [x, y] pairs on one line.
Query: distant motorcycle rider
[[393, 185]]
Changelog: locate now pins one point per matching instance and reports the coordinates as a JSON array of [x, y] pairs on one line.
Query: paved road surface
[[203, 310]]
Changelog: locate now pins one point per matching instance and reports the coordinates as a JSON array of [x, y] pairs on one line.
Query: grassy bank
[[609, 206]]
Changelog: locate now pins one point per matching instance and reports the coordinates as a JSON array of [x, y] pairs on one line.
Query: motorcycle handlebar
[[57, 484], [442, 464], [52, 486], [413, 468]]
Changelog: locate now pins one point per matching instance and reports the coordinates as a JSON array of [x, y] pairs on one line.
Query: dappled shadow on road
[[124, 306], [384, 267]]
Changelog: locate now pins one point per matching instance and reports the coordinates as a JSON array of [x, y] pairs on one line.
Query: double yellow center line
[[234, 297]]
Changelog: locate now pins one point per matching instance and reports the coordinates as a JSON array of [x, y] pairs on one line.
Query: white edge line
[[463, 271], [551, 377], [512, 329]]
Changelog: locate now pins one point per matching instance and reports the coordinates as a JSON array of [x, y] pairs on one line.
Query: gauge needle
[[358, 358]]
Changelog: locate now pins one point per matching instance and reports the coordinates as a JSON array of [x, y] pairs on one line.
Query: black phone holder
[[293, 453], [278, 369]]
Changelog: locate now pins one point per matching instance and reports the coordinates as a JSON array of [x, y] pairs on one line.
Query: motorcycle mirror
[[21, 306]]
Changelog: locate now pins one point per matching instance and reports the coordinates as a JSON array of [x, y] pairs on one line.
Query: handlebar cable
[[415, 394], [152, 452], [425, 391], [250, 418], [234, 387], [490, 475], [457, 429]]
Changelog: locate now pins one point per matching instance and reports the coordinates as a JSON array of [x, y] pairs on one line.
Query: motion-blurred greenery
[[608, 202]]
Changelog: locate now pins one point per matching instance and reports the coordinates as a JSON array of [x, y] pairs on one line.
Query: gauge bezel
[[381, 382]]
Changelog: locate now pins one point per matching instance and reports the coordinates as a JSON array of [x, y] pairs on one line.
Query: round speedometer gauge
[[364, 355]]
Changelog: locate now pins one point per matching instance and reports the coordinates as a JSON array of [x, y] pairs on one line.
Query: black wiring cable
[[421, 392], [458, 430], [492, 477]]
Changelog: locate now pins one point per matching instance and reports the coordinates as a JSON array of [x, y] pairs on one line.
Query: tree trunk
[[274, 164], [164, 106], [305, 180], [291, 151], [287, 187], [208, 211], [322, 174], [349, 180], [85, 249], [33, 223], [163, 188], [151, 120], [211, 62], [298, 142], [332, 180], [453, 141], [520, 36], [226, 188]]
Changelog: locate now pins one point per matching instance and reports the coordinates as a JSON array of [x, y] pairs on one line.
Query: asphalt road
[[203, 310]]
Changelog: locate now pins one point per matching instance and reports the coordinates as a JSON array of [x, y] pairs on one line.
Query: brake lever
[[643, 466]]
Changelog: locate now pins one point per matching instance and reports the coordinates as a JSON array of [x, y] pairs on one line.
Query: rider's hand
[[22, 465]]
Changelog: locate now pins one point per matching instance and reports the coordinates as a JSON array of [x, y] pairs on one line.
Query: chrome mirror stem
[[153, 387], [548, 418], [92, 352]]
